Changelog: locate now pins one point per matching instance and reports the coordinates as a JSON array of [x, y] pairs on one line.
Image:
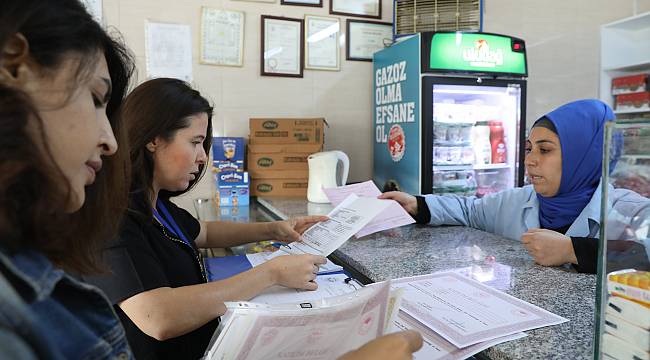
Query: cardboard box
[[280, 156], [279, 187], [630, 84], [228, 153], [635, 102], [287, 131], [279, 174], [232, 188]]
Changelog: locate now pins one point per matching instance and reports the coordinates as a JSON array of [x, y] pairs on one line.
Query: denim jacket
[[47, 314]]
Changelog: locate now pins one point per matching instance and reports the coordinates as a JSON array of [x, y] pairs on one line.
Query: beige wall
[[563, 42], [563, 52]]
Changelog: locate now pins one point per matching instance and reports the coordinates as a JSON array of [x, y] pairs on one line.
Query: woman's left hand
[[548, 247], [290, 230]]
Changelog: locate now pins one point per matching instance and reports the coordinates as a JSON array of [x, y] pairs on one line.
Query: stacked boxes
[[228, 165], [277, 154], [632, 93], [627, 317]]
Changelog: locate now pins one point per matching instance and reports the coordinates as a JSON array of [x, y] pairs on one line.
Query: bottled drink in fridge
[[481, 143], [497, 142]]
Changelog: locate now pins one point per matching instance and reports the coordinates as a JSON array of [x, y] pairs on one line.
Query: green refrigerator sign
[[477, 53]]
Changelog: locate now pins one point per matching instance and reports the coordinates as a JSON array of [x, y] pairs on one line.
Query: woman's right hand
[[296, 271], [396, 346], [408, 202]]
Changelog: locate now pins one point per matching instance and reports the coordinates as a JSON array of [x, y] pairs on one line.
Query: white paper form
[[168, 50], [350, 216], [393, 216], [260, 258], [466, 312], [434, 347], [332, 327], [328, 286]]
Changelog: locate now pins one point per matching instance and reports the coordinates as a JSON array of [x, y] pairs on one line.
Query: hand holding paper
[[393, 216], [350, 216]]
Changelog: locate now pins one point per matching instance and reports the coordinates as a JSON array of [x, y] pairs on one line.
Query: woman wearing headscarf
[[557, 217]]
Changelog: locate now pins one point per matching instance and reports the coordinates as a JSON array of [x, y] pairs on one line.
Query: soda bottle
[[499, 151]]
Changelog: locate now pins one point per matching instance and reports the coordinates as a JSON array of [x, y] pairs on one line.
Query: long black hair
[[159, 108], [32, 201]]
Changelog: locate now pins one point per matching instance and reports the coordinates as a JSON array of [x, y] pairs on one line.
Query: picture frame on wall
[[262, 1], [359, 8], [313, 3], [364, 38], [282, 51], [322, 47], [222, 37]]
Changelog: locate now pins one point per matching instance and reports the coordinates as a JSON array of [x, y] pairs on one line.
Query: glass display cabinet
[[623, 291]]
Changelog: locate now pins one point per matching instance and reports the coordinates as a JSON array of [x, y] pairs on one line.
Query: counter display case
[[623, 291]]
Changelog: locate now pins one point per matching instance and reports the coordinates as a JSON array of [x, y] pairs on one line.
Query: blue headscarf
[[580, 126]]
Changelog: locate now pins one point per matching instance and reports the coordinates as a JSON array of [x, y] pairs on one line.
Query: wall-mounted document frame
[[262, 1], [222, 37], [364, 38], [168, 50], [282, 52], [322, 47], [314, 3], [359, 8]]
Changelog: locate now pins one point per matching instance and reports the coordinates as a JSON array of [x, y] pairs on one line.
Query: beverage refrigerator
[[449, 113]]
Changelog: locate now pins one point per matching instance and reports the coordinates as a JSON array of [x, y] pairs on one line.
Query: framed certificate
[[360, 8], [314, 3], [364, 38], [222, 37], [322, 50], [282, 52]]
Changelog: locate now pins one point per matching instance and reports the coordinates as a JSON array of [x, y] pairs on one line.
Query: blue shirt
[[47, 314], [508, 213]]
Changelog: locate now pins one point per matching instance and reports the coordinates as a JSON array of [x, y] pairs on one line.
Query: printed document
[[319, 330], [393, 216], [466, 312], [328, 286], [434, 347], [350, 216]]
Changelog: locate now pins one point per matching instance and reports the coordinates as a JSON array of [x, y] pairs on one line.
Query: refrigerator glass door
[[475, 138]]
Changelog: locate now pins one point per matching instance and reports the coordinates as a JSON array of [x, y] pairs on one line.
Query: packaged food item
[[630, 84], [468, 155], [628, 310], [439, 132], [453, 134], [466, 133], [455, 155], [228, 153], [497, 142], [630, 284], [232, 188], [441, 155], [637, 101]]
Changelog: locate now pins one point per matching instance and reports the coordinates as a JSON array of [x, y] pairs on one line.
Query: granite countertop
[[497, 261]]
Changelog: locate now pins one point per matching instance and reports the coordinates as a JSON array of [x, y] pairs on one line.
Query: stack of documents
[[459, 317], [323, 329]]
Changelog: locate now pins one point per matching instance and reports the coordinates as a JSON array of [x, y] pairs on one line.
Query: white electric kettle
[[324, 174]]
